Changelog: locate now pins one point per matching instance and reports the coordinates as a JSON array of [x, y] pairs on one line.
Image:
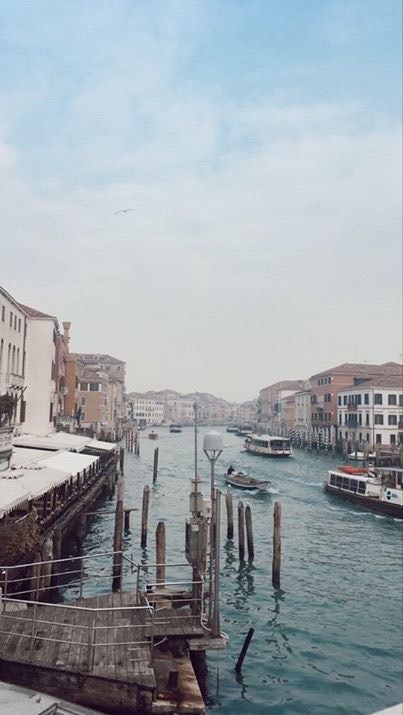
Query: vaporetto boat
[[379, 489], [267, 445]]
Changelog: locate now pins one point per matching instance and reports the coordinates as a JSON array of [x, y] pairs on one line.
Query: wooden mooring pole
[[155, 469], [243, 652], [121, 459], [230, 514], [241, 531], [249, 532], [144, 516], [160, 552], [127, 521], [118, 537], [276, 564]]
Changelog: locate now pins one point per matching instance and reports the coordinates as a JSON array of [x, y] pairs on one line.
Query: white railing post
[[31, 647]]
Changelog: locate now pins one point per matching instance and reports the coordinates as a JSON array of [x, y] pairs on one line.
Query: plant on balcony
[[7, 405]]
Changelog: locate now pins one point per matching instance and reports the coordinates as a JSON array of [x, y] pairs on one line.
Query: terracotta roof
[[362, 369], [95, 357], [285, 385], [33, 313], [392, 381]]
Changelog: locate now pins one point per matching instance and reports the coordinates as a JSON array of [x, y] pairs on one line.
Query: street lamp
[[212, 447]]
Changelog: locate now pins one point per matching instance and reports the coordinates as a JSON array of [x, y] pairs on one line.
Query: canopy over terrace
[[62, 440], [29, 478]]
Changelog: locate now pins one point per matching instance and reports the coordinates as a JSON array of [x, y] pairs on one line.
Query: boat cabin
[[268, 445], [384, 484]]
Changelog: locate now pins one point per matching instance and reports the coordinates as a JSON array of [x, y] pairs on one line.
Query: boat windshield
[[356, 486]]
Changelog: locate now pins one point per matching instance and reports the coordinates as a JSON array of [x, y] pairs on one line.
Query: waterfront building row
[[323, 408], [42, 384]]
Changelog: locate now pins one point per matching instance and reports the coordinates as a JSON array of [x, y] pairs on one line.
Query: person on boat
[[230, 469]]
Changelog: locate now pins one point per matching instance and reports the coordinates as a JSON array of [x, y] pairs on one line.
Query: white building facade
[[372, 413], [12, 352], [179, 411], [303, 422], [145, 409], [40, 370]]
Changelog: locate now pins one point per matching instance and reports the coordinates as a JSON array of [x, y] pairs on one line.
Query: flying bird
[[123, 211]]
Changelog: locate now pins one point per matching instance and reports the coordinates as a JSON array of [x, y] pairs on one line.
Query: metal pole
[[196, 416], [216, 617]]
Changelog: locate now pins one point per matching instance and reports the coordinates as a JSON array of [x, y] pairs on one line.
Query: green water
[[330, 641]]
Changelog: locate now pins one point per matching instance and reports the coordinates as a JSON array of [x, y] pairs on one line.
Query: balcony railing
[[351, 408]]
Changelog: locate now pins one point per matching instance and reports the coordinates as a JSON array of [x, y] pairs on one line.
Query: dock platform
[[107, 652]]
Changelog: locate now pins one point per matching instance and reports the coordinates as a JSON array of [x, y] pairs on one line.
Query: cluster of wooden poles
[[132, 439], [245, 525]]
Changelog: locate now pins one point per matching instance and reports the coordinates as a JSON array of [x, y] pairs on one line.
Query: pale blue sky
[[258, 144]]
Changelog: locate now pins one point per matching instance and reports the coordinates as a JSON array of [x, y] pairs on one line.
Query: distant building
[[302, 421], [372, 412], [273, 411], [105, 411], [179, 410], [144, 409]]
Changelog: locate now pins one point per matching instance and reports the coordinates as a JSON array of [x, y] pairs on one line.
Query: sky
[[257, 144]]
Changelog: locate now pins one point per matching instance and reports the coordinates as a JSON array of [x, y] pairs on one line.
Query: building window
[[393, 439], [15, 322], [360, 419], [83, 401], [366, 398], [378, 439], [344, 399], [392, 399], [11, 319], [392, 419], [379, 419], [83, 386], [378, 398], [82, 418], [358, 399], [3, 313], [367, 419], [51, 412], [19, 325], [94, 387], [400, 400]]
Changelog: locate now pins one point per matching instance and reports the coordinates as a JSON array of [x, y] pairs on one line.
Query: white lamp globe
[[212, 442]]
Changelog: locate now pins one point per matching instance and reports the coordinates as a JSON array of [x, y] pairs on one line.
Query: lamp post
[[212, 447]]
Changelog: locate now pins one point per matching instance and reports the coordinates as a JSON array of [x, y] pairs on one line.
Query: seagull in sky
[[123, 211]]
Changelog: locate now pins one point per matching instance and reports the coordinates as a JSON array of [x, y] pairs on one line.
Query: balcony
[[14, 381], [351, 408]]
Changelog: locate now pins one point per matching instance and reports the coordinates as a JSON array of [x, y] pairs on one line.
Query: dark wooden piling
[[144, 516], [81, 527], [230, 514], [127, 521], [276, 563], [118, 537], [160, 539], [249, 532], [121, 459], [243, 652], [241, 531], [155, 469]]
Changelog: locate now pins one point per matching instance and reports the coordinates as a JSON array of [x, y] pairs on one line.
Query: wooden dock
[[104, 652]]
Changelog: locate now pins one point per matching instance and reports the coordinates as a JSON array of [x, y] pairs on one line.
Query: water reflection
[[278, 639]]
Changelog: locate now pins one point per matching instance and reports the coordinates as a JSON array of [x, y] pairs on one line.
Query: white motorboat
[[268, 446]]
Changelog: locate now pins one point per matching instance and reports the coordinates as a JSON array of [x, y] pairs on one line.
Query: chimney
[[66, 329]]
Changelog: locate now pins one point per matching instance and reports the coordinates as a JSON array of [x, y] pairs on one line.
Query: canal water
[[330, 641]]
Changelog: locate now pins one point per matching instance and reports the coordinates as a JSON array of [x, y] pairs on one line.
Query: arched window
[[9, 357], [18, 362], [13, 361], [1, 352]]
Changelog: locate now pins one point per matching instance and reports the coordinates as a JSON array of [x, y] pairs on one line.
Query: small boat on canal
[[268, 446], [175, 429], [153, 435], [242, 480], [376, 489], [360, 456], [232, 428]]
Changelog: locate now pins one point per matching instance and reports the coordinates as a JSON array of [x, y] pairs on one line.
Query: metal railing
[[52, 575], [31, 615]]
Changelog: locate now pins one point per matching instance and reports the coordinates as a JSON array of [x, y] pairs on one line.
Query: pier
[[123, 652]]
